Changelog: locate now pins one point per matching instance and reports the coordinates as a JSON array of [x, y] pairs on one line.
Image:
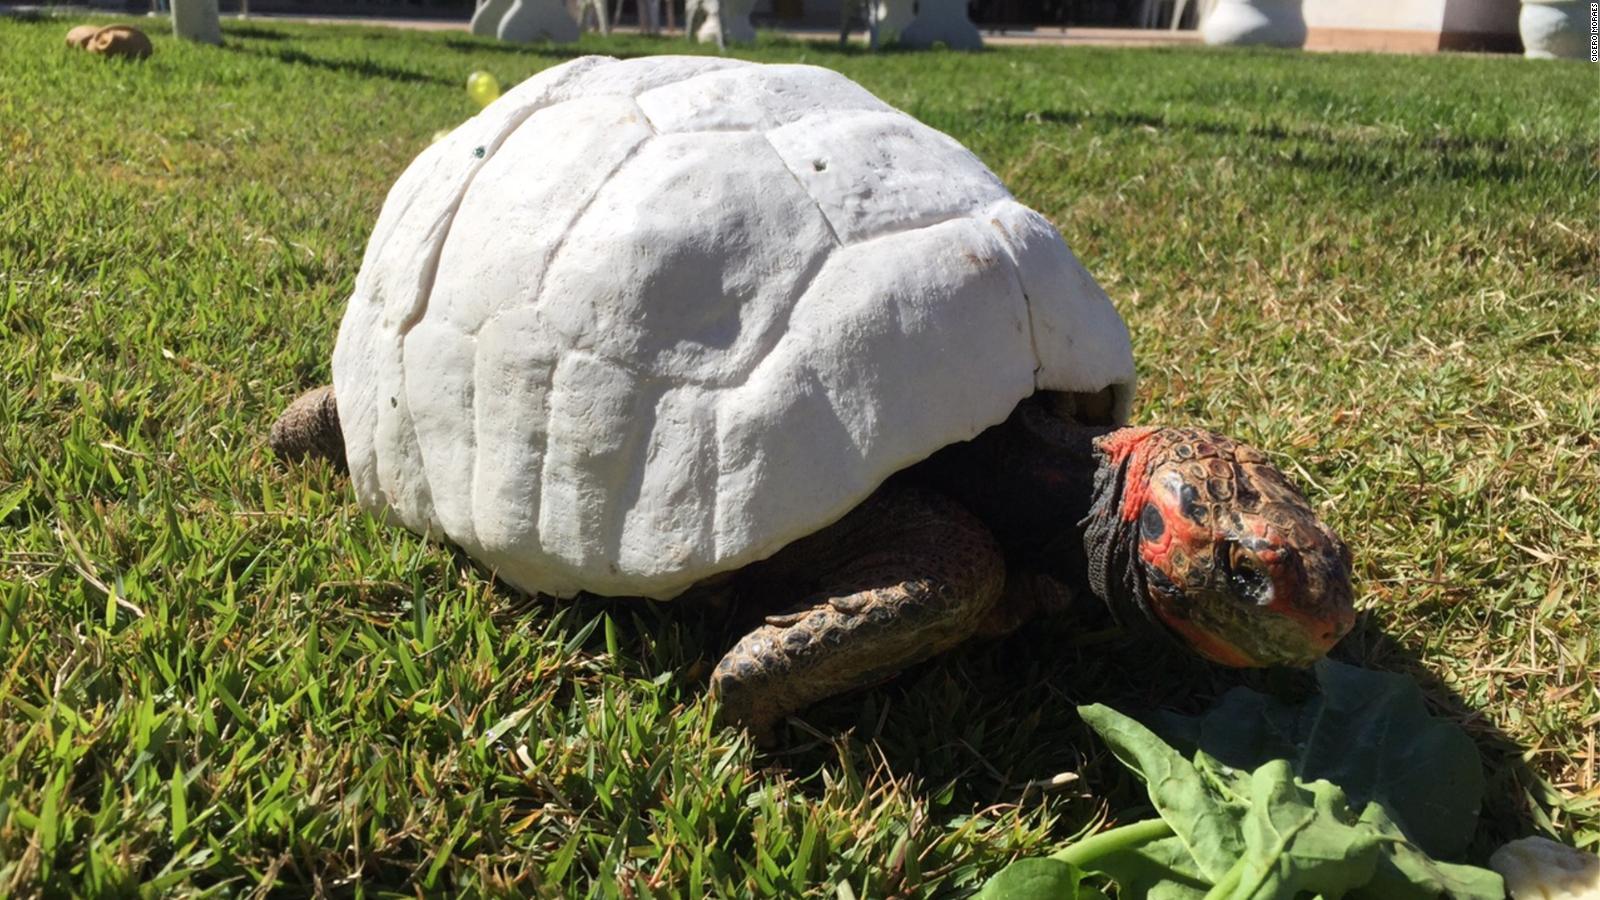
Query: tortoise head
[[1219, 547]]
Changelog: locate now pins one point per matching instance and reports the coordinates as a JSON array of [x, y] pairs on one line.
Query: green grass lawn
[[215, 673]]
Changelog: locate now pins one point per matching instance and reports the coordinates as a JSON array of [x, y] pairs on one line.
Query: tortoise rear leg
[[907, 575], [310, 427]]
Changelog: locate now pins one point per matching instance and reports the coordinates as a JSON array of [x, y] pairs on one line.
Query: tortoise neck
[[1058, 498], [1109, 530], [1034, 481]]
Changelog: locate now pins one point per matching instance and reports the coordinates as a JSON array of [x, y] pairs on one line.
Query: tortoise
[[668, 323]]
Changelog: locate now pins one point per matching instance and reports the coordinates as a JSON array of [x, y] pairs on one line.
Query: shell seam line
[[1027, 302], [837, 242], [429, 274], [538, 298], [802, 286], [572, 223]]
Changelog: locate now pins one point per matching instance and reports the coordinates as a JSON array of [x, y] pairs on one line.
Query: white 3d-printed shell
[[641, 322]]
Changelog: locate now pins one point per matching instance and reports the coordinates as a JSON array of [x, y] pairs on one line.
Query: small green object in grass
[[483, 88]]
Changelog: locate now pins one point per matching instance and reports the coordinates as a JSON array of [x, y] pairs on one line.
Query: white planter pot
[[1554, 29], [941, 22], [1276, 23], [720, 21], [486, 18], [196, 20], [537, 20]]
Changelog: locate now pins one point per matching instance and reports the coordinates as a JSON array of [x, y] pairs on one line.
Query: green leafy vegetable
[[1252, 835], [1323, 798], [1158, 870], [1203, 816], [1368, 732], [1039, 879], [1301, 837], [1404, 871]]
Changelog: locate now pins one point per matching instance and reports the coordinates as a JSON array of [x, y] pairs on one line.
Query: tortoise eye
[[1151, 525], [1239, 559], [1248, 576]]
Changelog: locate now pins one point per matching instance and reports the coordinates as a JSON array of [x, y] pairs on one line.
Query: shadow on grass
[[364, 68], [1378, 158], [254, 32], [988, 726], [548, 51]]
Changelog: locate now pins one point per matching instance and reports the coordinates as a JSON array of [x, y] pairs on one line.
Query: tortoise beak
[[1310, 610], [1324, 601]]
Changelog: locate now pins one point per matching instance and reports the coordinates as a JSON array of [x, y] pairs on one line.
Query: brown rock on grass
[[79, 37], [112, 40]]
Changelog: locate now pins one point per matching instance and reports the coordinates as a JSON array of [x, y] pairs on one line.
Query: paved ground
[[1105, 37]]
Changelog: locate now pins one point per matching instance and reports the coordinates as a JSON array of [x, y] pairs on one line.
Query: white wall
[[1495, 16], [1383, 15]]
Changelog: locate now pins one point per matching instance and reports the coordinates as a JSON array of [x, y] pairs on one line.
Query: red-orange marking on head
[[1119, 445]]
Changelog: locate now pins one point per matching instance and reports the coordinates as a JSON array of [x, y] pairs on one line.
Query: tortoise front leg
[[907, 575]]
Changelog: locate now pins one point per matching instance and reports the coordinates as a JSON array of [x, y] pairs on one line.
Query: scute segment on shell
[[883, 363], [686, 271], [514, 368], [675, 366], [439, 383], [515, 215], [754, 98], [878, 172], [1081, 342], [599, 420]]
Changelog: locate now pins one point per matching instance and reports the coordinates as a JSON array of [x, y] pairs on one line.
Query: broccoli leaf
[[1159, 870], [1202, 816], [1368, 732], [1301, 838], [1266, 808], [1039, 879], [1407, 873], [1261, 832]]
